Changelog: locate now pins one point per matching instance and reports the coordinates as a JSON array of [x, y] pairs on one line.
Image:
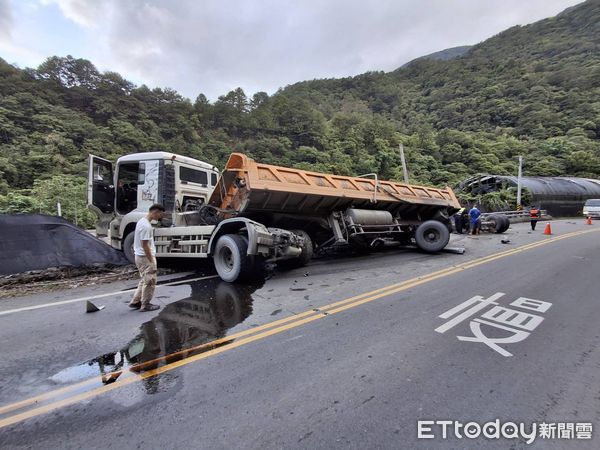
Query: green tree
[[17, 203], [70, 192]]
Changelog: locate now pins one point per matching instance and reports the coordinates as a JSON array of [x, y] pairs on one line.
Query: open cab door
[[101, 192]]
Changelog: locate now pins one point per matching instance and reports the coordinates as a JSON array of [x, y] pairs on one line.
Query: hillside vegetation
[[531, 91]]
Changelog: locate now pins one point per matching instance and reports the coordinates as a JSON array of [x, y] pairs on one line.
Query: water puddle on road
[[180, 330]]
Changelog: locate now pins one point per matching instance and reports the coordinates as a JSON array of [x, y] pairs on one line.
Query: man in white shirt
[[145, 259]]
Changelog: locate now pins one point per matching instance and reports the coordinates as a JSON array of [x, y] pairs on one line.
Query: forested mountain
[[444, 55], [531, 90]]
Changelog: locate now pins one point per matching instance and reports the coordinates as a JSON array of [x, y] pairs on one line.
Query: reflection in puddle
[[178, 331]]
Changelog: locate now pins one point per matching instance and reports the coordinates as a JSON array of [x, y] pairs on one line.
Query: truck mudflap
[[260, 239]]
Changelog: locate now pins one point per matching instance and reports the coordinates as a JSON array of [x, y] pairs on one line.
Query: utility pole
[[404, 170], [519, 183]]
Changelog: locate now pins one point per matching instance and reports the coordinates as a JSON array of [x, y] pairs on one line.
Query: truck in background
[[255, 213]]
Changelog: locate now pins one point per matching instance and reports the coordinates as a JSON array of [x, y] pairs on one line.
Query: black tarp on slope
[[35, 242]]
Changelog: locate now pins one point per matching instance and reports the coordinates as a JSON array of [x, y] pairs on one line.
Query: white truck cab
[[121, 194]]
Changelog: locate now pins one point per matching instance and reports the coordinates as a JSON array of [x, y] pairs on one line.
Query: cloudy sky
[[213, 46]]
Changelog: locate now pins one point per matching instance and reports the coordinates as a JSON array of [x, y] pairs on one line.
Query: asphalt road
[[349, 352]]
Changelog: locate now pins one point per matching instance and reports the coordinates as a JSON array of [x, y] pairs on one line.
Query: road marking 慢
[[520, 324]]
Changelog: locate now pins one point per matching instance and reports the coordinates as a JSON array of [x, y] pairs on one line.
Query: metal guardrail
[[517, 216], [510, 214]]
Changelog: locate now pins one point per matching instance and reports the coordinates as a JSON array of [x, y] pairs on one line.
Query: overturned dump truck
[[256, 213]]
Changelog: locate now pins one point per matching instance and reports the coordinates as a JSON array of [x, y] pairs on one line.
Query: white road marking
[[91, 297], [479, 302], [498, 317], [478, 336]]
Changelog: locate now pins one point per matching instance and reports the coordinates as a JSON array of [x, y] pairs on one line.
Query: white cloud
[[6, 21], [87, 13], [11, 51], [213, 46]]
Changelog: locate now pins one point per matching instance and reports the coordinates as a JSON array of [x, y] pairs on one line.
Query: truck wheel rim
[[227, 258], [432, 235]]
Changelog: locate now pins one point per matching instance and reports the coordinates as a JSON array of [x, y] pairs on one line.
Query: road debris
[[90, 307], [456, 250], [54, 278]]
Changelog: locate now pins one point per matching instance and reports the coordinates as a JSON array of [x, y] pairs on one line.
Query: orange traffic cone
[[548, 229], [589, 220]]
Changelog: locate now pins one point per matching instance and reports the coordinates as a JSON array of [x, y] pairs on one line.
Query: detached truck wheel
[[432, 236], [496, 223], [232, 261], [500, 223], [128, 247], [505, 224]]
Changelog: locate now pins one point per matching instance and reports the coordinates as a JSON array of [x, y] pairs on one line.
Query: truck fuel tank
[[369, 217]]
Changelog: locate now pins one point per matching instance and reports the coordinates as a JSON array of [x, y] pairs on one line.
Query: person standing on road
[[534, 216], [458, 221], [145, 259], [474, 214], [465, 219]]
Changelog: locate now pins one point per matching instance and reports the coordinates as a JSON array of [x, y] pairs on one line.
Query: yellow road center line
[[256, 333]]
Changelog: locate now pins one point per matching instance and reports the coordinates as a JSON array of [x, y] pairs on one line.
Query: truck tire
[[432, 236], [232, 261], [497, 222], [505, 224], [128, 247], [307, 250]]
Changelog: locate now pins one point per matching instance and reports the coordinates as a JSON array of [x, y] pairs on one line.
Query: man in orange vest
[[534, 215]]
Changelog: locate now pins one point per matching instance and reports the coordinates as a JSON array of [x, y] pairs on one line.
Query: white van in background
[[591, 208]]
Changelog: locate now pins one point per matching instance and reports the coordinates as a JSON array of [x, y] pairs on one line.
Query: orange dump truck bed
[[248, 187]]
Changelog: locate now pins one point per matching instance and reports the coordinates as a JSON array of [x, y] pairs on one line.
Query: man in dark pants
[[475, 214], [465, 219], [534, 216], [458, 221]]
